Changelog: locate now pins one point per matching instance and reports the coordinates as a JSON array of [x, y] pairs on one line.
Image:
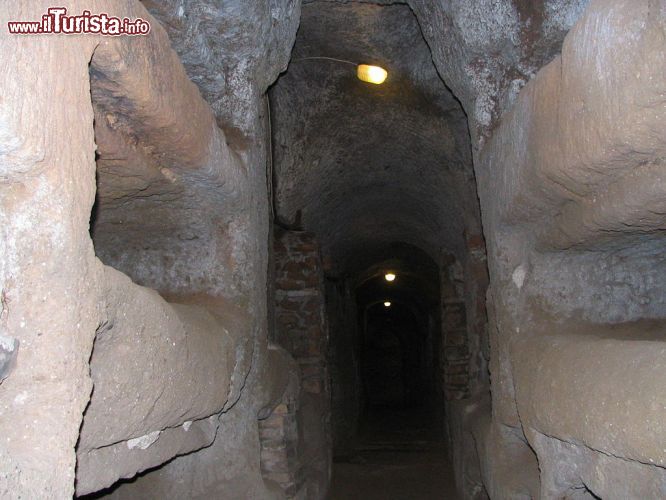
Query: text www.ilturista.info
[[56, 21]]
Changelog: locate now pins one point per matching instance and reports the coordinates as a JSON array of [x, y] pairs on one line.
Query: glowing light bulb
[[371, 74], [389, 277], [387, 304]]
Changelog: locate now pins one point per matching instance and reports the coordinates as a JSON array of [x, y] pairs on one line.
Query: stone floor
[[401, 455]]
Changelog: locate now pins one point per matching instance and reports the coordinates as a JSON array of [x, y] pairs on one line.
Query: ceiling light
[[389, 277], [387, 304], [371, 74]]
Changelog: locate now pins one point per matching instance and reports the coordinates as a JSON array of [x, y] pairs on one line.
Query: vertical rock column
[[48, 272]]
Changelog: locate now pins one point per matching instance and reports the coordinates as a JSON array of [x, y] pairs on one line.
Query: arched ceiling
[[360, 165]]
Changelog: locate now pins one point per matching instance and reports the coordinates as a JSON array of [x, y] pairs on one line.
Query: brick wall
[[455, 355], [300, 466], [280, 463], [476, 285], [300, 321]]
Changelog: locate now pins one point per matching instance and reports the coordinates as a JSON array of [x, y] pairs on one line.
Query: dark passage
[[400, 449], [391, 357]]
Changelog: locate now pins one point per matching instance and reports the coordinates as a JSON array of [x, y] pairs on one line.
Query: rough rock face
[[164, 167], [182, 209], [184, 361], [49, 278], [486, 51], [576, 260], [232, 50]]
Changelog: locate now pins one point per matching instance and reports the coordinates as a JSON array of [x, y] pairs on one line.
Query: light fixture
[[364, 72], [389, 276], [387, 304], [371, 74]]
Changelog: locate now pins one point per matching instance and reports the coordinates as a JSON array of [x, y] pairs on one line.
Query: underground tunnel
[[333, 249]]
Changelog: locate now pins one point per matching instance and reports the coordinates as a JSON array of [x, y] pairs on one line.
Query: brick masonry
[[300, 320], [278, 435], [456, 355], [301, 468]]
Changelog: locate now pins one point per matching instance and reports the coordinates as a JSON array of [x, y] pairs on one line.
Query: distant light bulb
[[387, 304], [389, 277], [371, 74]]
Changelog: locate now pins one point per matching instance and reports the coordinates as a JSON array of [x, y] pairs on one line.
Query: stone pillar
[[301, 328], [279, 449], [299, 307], [48, 272]]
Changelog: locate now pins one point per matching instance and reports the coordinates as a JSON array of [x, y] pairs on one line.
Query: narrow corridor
[[401, 455], [333, 249]]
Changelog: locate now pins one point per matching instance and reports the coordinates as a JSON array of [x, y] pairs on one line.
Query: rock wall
[[49, 277], [181, 207], [487, 51], [571, 187]]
